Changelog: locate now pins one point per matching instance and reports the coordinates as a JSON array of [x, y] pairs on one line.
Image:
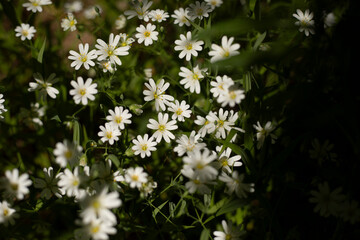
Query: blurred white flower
[[109, 133], [146, 35], [141, 10], [214, 3], [181, 17], [45, 86], [235, 184], [327, 202], [83, 91], [306, 22], [189, 144], [2, 107], [120, 22], [230, 232], [199, 10], [188, 46], [69, 22], [7, 214], [91, 13], [82, 58], [158, 15], [200, 161], [221, 85], [67, 152], [180, 110], [75, 6], [350, 212], [162, 127], [144, 145], [263, 132], [225, 162], [25, 31], [226, 50], [15, 185], [36, 5]]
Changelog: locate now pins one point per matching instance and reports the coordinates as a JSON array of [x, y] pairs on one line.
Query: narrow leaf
[[41, 52]]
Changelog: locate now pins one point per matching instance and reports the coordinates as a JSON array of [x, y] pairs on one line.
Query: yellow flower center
[[228, 237], [199, 11], [14, 186], [156, 96], [226, 54], [179, 111], [72, 23], [96, 204], [232, 95], [75, 182], [82, 91], [183, 19], [195, 76], [199, 166], [190, 148], [224, 161], [196, 181], [83, 58], [189, 46], [110, 52], [213, 2], [118, 119], [206, 122], [68, 154], [123, 44], [161, 127], [35, 4], [109, 135], [95, 229], [6, 212], [158, 17], [144, 147], [221, 123], [147, 34], [135, 178], [25, 33]]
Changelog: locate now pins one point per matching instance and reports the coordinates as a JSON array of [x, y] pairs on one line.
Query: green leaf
[[76, 132], [56, 118], [41, 52], [181, 209], [114, 160], [229, 207], [205, 234], [259, 40], [252, 5], [157, 209]]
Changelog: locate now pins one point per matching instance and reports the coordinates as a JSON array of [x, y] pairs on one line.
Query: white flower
[[263, 132], [69, 183], [109, 133], [180, 110], [36, 5], [214, 3], [222, 124], [158, 15], [45, 86], [205, 124], [144, 146], [97, 229], [120, 22], [148, 73], [119, 117], [7, 214], [200, 163], [229, 233], [188, 46], [83, 91], [226, 162], [235, 183], [111, 51], [84, 58], [69, 22], [196, 183], [67, 152], [221, 85], [125, 40], [15, 185], [49, 184], [189, 144], [25, 31], [75, 6], [329, 20], [157, 92], [136, 177], [141, 10], [162, 127], [350, 212], [226, 50], [181, 17], [191, 78], [306, 22], [146, 35], [231, 97], [322, 152], [98, 206], [2, 107], [37, 113], [199, 10], [106, 66], [327, 202], [90, 12]]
